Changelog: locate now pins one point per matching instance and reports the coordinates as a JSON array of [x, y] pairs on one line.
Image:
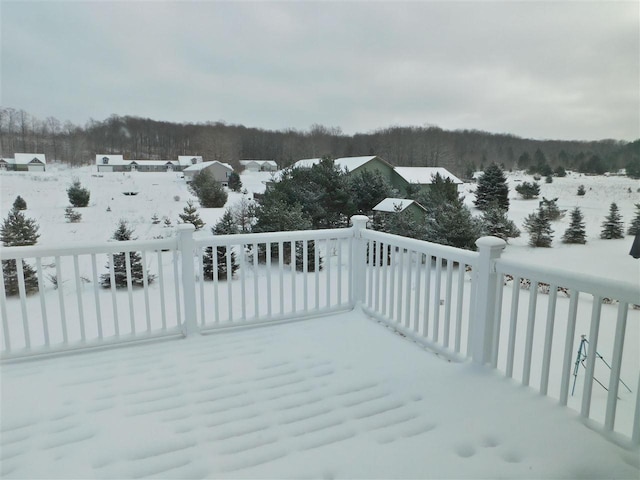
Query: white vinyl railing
[[527, 322]]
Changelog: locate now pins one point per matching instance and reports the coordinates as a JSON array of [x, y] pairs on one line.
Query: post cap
[[494, 243], [186, 227]]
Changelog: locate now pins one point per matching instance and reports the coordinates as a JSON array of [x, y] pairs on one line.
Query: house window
[[193, 161], [105, 160]]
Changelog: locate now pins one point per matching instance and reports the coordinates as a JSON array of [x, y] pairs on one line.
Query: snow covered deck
[[333, 397]]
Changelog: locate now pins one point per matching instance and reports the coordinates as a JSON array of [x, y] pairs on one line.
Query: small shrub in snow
[[581, 191], [191, 216], [528, 190], [19, 203], [17, 230], [155, 219], [122, 233], [176, 198], [538, 226], [71, 215], [634, 227], [78, 195]]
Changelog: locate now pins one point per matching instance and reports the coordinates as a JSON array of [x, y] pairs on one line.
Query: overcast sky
[[562, 70]]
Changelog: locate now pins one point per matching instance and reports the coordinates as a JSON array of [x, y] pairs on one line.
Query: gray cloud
[[566, 70]]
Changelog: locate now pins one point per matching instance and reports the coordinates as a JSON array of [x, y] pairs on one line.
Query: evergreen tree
[[191, 216], [209, 191], [560, 171], [17, 230], [244, 213], [123, 233], [634, 228], [368, 189], [155, 219], [235, 183], [78, 196], [576, 232], [452, 224], [492, 187], [549, 179], [311, 257], [19, 203], [538, 226], [496, 223], [550, 207], [71, 215], [581, 191], [225, 226], [612, 227], [528, 190]]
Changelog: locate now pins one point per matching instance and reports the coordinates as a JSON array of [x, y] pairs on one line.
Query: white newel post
[[358, 259], [186, 247], [486, 277]]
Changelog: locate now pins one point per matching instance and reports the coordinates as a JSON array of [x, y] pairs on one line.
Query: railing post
[[486, 280], [358, 260], [186, 247]]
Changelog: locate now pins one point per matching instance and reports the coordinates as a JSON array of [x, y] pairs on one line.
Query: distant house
[[354, 165], [220, 171], [24, 162], [423, 176], [259, 165], [116, 163], [397, 205]]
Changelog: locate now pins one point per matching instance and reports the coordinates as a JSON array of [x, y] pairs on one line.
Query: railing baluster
[[460, 297], [568, 347], [635, 434], [392, 283], [176, 279], [548, 340], [96, 295], [513, 324], [417, 295], [316, 259], [427, 296], [132, 316], [163, 312], [43, 306], [3, 310], [78, 280], [498, 323], [328, 272], [281, 274], [63, 315], [447, 303], [23, 304], [378, 264], [407, 306], [145, 286], [229, 270], [243, 281], [436, 299], [305, 274], [400, 291], [256, 298], [531, 321], [616, 363], [268, 276], [216, 283], [591, 356], [339, 273], [369, 300], [200, 254], [385, 273], [292, 277]]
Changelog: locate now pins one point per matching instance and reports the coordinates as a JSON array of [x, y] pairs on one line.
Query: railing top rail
[[444, 251], [248, 238], [78, 248], [600, 287]]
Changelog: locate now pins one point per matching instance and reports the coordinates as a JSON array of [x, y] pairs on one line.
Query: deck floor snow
[[333, 397]]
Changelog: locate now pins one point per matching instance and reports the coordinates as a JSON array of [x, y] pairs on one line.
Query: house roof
[[423, 175], [201, 166], [112, 160], [26, 158], [348, 163], [187, 159], [259, 162], [389, 205]]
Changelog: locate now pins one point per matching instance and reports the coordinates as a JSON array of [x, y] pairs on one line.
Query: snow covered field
[[464, 446]]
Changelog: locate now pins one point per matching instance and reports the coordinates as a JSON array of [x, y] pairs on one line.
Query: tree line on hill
[[460, 151]]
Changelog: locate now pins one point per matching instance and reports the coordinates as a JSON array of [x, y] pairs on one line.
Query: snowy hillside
[[166, 194]]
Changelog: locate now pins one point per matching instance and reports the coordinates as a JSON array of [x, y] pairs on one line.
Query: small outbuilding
[[423, 177], [259, 165], [398, 205]]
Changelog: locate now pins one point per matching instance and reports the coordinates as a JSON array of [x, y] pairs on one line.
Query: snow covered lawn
[[333, 397]]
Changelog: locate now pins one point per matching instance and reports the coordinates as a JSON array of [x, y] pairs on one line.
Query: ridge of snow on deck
[[334, 397]]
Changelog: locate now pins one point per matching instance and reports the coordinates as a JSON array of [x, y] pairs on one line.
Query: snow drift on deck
[[334, 397]]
